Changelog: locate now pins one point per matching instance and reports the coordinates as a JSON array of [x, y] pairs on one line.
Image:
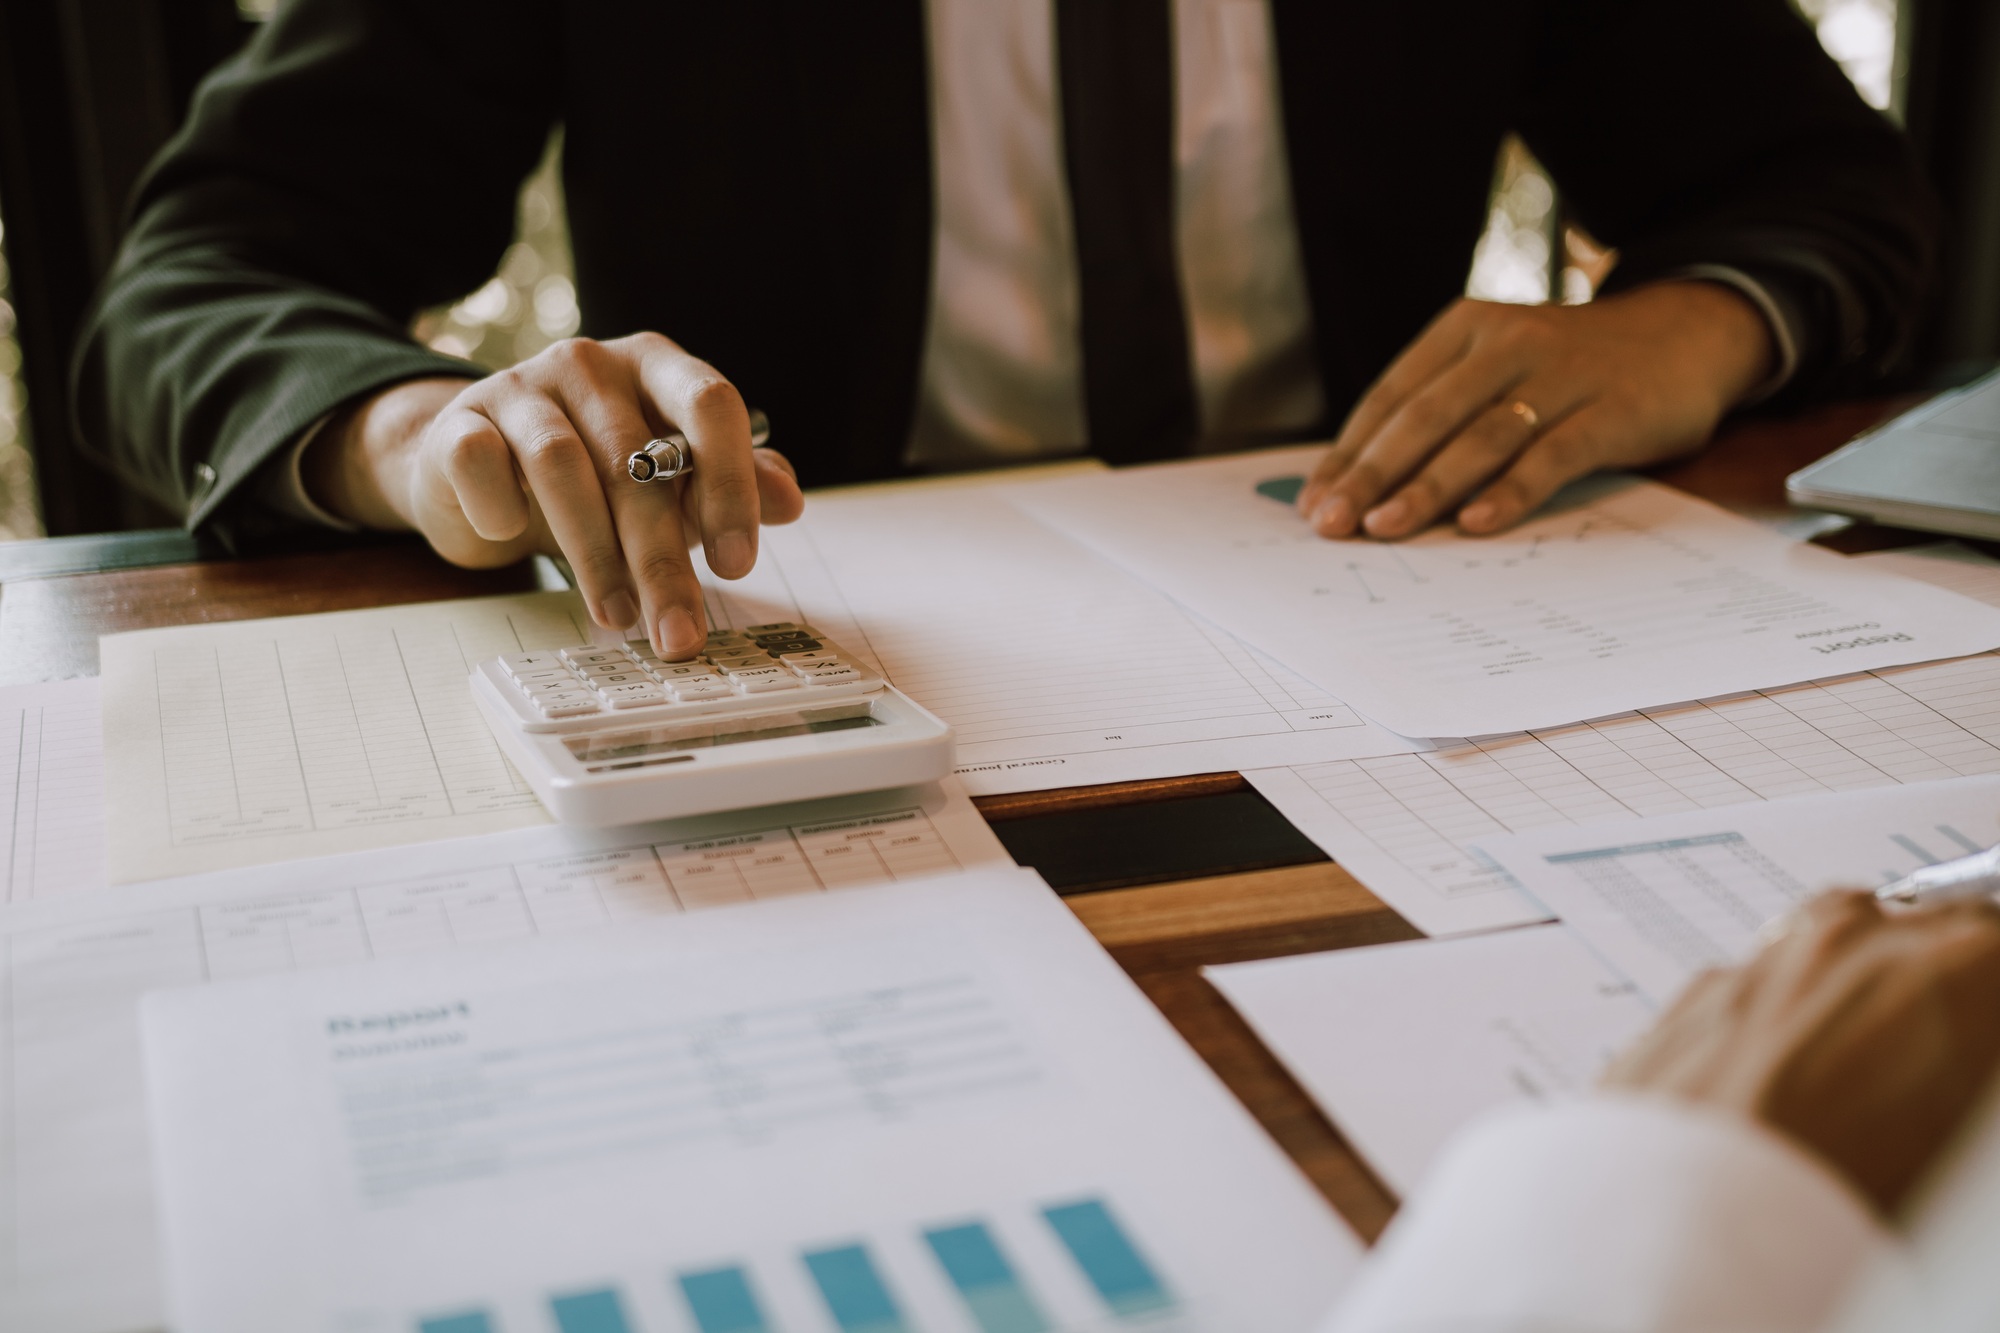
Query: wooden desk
[[1162, 933]]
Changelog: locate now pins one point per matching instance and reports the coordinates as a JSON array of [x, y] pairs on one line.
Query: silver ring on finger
[[660, 460], [1526, 411]]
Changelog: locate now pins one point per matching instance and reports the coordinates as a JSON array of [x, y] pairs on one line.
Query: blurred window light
[[20, 510], [257, 11], [1861, 36], [530, 301], [1526, 232]]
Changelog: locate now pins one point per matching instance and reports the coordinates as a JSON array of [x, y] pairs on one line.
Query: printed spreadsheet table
[[1403, 823]]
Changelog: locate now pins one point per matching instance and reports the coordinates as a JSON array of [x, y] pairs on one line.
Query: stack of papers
[[456, 1069], [1654, 723]]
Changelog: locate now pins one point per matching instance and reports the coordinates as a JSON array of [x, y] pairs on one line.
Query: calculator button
[[762, 684], [644, 691], [781, 636], [521, 663], [606, 679], [552, 676], [683, 670], [833, 676], [691, 689], [765, 668], [775, 627], [588, 657], [811, 661], [541, 689], [566, 705]]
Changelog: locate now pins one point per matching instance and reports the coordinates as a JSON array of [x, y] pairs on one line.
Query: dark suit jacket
[[752, 177]]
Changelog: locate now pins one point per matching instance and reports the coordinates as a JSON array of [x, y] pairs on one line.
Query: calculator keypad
[[762, 660]]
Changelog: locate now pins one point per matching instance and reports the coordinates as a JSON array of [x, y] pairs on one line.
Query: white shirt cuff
[[281, 484], [1617, 1215], [1767, 305]]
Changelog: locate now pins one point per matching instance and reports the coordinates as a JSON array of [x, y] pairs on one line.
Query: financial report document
[[1619, 594], [79, 1248], [1661, 899], [1055, 668], [51, 790], [929, 1106], [1406, 825], [1402, 1045], [270, 740]]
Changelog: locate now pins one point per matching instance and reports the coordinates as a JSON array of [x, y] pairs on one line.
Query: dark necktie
[[1117, 76]]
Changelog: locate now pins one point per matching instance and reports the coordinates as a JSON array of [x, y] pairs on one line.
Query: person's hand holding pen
[[1863, 1035], [536, 458]]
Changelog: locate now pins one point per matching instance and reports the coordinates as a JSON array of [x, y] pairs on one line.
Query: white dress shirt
[[1618, 1214], [1002, 374]]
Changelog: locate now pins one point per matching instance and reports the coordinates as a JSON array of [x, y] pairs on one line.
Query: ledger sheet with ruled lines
[[268, 740], [1056, 668], [1402, 824], [51, 790]]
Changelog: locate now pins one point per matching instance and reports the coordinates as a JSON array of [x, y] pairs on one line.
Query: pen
[[1971, 876], [669, 456]]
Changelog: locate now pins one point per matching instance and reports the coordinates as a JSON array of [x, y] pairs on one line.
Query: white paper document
[[78, 1239], [1402, 1045], [934, 1106], [268, 740], [1662, 898], [1620, 594], [51, 790], [1404, 825], [1056, 668]]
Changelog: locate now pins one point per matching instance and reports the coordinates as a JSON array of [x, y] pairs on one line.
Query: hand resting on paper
[[533, 459], [1864, 1036], [1493, 408]]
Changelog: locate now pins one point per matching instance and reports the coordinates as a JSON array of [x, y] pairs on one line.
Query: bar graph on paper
[[1067, 1264]]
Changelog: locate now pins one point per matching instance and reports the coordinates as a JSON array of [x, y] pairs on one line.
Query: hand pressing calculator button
[[611, 734]]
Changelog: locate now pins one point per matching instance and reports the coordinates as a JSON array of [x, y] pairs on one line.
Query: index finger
[[1441, 345], [704, 406]]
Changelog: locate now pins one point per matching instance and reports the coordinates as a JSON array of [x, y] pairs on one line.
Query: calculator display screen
[[608, 751]]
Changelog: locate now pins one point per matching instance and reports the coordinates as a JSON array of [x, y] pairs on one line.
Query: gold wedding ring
[[1529, 416], [671, 456]]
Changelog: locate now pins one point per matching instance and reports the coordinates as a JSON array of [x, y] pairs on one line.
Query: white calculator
[[610, 734]]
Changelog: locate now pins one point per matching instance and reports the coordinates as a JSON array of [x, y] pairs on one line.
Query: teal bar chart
[[722, 1302], [855, 1294], [590, 1312], [1108, 1258], [992, 1291], [855, 1290], [470, 1321]]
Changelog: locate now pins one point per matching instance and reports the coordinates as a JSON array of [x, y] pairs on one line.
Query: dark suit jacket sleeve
[[357, 162], [1718, 132]]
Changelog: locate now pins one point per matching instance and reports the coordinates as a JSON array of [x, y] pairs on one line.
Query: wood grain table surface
[[1162, 934]]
